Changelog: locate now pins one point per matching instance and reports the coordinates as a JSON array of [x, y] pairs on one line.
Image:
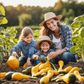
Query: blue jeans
[[22, 61], [66, 57]]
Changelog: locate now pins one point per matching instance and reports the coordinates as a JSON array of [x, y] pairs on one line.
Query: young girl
[[43, 45], [27, 46]]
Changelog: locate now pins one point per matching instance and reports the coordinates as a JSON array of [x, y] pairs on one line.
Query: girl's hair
[[46, 31], [25, 32]]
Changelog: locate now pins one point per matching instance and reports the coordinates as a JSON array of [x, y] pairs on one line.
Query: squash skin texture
[[13, 62], [68, 78], [2, 75], [19, 76], [78, 76]]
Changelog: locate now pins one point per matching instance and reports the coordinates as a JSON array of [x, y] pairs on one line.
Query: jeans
[[22, 61], [66, 57]]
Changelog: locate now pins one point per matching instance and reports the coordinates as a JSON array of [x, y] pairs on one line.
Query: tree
[[24, 19]]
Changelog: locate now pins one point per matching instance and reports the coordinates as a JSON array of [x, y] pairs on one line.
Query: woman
[[60, 36]]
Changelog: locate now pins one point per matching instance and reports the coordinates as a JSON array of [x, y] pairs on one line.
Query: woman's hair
[[25, 32], [46, 31]]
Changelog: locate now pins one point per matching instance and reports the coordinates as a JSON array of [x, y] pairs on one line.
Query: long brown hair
[[45, 30], [25, 32]]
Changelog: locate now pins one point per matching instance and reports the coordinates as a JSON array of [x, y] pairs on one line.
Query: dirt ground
[[5, 68]]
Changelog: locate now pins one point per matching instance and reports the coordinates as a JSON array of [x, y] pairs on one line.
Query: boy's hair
[[25, 32], [44, 41]]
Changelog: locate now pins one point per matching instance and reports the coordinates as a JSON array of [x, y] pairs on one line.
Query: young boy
[[43, 45]]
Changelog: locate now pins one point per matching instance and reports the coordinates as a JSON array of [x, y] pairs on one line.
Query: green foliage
[[1, 59], [78, 36], [7, 36]]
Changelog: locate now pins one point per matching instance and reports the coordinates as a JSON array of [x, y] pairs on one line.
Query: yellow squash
[[74, 68], [66, 70], [42, 71], [68, 78], [44, 65], [13, 62], [19, 76], [2, 75], [35, 69], [60, 63], [78, 76]]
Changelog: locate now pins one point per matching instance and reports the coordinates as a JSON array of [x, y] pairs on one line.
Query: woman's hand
[[52, 55], [15, 54]]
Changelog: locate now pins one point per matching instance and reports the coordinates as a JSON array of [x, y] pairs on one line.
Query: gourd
[[68, 78], [2, 75], [35, 69], [53, 79], [1, 59], [42, 58], [45, 79], [19, 76], [13, 62], [66, 70], [44, 65], [8, 75], [24, 66], [27, 70], [74, 68], [60, 63], [42, 71], [78, 76]]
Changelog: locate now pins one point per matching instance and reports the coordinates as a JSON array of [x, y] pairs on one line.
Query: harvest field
[[5, 68]]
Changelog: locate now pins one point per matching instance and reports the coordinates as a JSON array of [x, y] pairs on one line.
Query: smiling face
[[52, 24], [45, 47], [28, 38]]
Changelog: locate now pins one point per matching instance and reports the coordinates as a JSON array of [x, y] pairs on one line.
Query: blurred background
[[22, 13]]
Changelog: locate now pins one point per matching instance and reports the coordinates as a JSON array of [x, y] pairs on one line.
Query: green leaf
[[81, 32], [2, 10], [74, 49], [3, 20], [2, 40]]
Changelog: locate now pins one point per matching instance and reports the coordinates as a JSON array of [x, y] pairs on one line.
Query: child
[[27, 46], [43, 45]]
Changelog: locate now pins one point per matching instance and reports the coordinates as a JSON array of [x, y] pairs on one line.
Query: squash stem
[[53, 66]]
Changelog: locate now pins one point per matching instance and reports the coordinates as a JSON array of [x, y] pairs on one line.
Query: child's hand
[[35, 57], [15, 54], [29, 63]]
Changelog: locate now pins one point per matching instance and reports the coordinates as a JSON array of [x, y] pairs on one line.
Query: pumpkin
[[13, 62], [2, 75]]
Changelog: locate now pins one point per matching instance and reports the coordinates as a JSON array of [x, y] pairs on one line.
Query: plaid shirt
[[65, 37], [27, 49]]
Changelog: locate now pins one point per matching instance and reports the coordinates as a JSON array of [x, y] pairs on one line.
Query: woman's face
[[52, 24], [45, 46], [28, 38]]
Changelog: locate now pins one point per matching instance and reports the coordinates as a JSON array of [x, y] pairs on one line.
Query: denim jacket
[[27, 49], [65, 37]]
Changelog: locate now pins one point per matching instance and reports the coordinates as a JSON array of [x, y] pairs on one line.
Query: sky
[[42, 3]]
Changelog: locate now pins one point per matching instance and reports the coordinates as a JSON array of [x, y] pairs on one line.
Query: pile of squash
[[67, 75]]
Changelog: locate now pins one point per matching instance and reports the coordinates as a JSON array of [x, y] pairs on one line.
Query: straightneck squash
[[13, 62]]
